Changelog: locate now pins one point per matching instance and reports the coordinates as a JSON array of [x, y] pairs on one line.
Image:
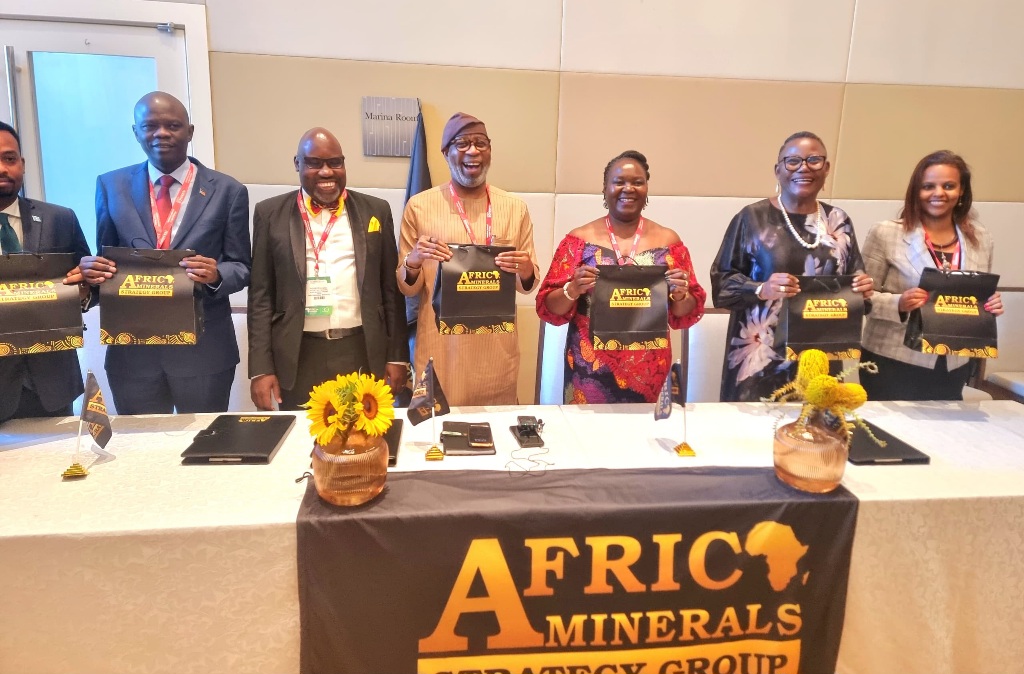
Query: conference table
[[147, 565]]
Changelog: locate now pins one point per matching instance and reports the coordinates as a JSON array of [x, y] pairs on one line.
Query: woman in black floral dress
[[768, 244]]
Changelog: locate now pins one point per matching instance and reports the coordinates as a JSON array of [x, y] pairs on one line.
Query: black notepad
[[239, 438], [461, 438], [865, 451], [394, 440]]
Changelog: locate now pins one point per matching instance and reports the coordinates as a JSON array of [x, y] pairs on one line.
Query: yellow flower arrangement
[[822, 392], [350, 402]]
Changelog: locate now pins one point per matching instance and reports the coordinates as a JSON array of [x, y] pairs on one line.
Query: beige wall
[[708, 89]]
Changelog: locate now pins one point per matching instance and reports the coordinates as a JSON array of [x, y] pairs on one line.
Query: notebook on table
[[394, 440], [865, 451], [239, 438]]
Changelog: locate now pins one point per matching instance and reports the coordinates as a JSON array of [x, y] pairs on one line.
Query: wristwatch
[[757, 291]]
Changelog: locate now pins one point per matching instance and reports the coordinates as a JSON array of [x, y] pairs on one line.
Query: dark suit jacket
[[215, 224], [277, 297], [56, 377]]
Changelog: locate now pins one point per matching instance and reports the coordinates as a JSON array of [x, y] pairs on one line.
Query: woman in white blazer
[[935, 229]]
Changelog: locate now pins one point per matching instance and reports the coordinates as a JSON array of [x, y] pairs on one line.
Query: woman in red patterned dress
[[564, 297]]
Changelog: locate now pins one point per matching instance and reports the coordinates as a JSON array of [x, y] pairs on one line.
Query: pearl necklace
[[819, 226]]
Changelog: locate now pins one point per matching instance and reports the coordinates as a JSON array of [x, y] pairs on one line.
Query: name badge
[[318, 294]]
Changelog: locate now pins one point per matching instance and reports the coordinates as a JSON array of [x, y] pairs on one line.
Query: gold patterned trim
[[126, 338], [460, 329], [848, 354], [944, 350], [616, 345], [67, 344]]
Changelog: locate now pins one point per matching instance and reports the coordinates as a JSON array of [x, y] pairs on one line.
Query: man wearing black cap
[[473, 369]]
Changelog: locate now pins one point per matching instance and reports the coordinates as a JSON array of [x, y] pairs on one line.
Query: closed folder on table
[[866, 452], [239, 438]]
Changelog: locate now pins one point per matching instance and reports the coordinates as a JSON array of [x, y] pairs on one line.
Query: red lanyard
[[465, 219], [940, 258], [163, 229], [615, 242], [316, 248]]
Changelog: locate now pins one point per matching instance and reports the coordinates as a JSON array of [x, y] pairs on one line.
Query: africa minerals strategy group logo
[[716, 604]]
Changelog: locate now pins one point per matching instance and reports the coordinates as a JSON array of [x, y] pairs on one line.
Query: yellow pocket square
[[374, 225]]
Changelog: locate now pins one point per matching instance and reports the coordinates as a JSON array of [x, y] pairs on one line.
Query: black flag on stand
[[678, 384], [673, 390], [427, 395], [94, 412]]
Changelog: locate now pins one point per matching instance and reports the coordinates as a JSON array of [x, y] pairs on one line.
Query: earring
[[647, 202], [778, 188], [604, 202]]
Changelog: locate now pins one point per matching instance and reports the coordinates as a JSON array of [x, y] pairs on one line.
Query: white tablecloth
[[151, 566]]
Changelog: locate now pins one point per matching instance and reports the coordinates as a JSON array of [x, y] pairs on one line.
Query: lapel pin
[[36, 218], [202, 192]]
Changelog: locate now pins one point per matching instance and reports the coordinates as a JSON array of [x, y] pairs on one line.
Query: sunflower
[[329, 405], [322, 412], [375, 406]]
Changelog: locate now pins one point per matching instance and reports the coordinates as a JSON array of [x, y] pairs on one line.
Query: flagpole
[[78, 442], [430, 398]]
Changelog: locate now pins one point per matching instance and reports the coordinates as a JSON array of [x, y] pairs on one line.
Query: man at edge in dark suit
[[324, 300], [41, 384], [199, 209]]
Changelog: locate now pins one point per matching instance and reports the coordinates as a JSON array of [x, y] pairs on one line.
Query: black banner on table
[[953, 321], [38, 313], [472, 295], [629, 308], [671, 571], [826, 314], [150, 300]]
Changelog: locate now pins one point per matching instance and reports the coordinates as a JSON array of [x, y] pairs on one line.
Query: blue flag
[[673, 390], [418, 181], [419, 171], [94, 412], [663, 408]]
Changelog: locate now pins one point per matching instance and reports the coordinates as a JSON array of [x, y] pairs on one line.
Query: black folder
[[394, 439], [865, 451], [239, 438], [455, 436]]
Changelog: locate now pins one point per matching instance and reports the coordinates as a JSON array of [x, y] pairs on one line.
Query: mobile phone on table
[[480, 435], [526, 432]]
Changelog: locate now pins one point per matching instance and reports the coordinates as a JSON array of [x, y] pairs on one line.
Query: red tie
[[163, 203]]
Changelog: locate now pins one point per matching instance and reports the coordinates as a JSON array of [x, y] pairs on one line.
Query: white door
[[70, 89]]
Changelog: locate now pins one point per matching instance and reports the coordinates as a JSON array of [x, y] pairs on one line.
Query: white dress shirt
[[179, 179], [337, 262]]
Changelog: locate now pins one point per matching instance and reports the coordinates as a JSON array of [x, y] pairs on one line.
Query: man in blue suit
[[195, 208], [40, 384]]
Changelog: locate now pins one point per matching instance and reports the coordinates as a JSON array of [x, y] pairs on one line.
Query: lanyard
[[457, 200], [163, 229], [316, 248], [615, 242], [940, 258]]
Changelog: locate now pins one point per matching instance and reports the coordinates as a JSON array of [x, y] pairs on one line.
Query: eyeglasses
[[815, 162], [316, 163], [10, 159], [463, 144]]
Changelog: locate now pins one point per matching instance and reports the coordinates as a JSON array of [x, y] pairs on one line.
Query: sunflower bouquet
[[823, 393], [349, 404]]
